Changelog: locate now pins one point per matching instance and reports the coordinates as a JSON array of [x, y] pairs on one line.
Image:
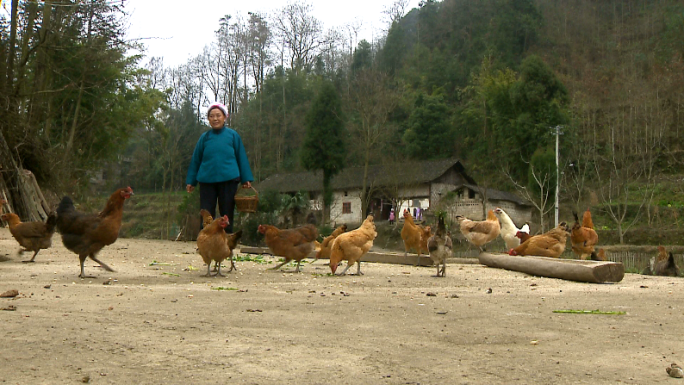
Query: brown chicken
[[479, 233], [352, 245], [599, 256], [583, 238], [549, 244], [293, 244], [665, 264], [440, 247], [415, 237], [523, 236], [586, 220], [324, 251], [206, 218], [215, 245], [32, 236], [87, 234]]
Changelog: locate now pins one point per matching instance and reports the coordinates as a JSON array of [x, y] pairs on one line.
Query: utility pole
[[557, 129]]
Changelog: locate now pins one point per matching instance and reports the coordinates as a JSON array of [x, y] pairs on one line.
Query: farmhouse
[[427, 185]]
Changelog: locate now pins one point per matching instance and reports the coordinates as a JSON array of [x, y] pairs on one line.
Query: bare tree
[[543, 200], [301, 32], [395, 11], [370, 103]]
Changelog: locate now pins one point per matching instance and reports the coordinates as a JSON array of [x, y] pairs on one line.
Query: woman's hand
[[247, 185], [189, 188]]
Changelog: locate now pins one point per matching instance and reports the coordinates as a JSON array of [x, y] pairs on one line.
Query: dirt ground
[[161, 324]]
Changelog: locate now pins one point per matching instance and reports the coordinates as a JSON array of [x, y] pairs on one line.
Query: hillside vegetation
[[491, 82]]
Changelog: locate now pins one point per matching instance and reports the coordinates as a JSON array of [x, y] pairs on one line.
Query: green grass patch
[[221, 288], [155, 263], [171, 274], [322, 275], [570, 311], [248, 258]]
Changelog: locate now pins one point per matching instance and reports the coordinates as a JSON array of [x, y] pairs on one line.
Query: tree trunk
[[12, 46], [74, 124], [31, 16], [364, 186], [621, 233]]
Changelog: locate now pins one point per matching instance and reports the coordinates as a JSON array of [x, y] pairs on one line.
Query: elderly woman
[[219, 163]]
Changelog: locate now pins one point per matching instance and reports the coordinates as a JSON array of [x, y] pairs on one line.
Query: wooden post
[[569, 269]]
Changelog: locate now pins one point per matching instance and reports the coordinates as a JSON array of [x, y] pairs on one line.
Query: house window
[[346, 208], [471, 194], [345, 193]]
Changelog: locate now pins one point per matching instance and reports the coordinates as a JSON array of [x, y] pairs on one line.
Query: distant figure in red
[[391, 217]]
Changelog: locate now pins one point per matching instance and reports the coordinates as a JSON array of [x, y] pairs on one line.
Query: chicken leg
[[232, 264], [32, 258], [102, 264], [82, 259], [358, 269], [218, 273], [208, 271], [280, 265], [441, 271]]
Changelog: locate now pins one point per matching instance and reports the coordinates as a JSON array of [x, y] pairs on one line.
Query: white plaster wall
[[336, 215]]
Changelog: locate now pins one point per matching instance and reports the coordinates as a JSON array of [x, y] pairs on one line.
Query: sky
[[178, 30]]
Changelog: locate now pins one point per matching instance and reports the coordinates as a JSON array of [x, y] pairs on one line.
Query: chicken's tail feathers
[[670, 260], [66, 207], [311, 234], [51, 222], [574, 214], [233, 239]]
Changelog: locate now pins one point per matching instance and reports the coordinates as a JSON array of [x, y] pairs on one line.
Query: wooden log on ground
[[371, 256], [397, 259], [568, 269]]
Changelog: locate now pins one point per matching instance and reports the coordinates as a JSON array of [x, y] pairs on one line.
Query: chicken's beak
[[333, 267]]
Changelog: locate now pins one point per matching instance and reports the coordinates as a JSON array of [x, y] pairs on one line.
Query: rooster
[[479, 233], [440, 248], [509, 231], [87, 234], [292, 244], [352, 245], [549, 244], [583, 237], [32, 236]]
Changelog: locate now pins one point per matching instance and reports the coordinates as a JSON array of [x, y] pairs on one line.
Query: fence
[[634, 261]]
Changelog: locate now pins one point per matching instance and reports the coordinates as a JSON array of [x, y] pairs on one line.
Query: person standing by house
[[219, 164], [391, 217]]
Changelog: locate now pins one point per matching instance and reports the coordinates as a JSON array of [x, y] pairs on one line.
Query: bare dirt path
[[161, 324]]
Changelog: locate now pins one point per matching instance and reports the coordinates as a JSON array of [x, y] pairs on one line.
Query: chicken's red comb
[[225, 217]]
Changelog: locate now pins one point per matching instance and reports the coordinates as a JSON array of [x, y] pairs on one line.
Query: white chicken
[[509, 230]]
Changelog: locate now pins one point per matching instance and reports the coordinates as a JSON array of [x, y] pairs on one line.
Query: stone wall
[[472, 209]]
